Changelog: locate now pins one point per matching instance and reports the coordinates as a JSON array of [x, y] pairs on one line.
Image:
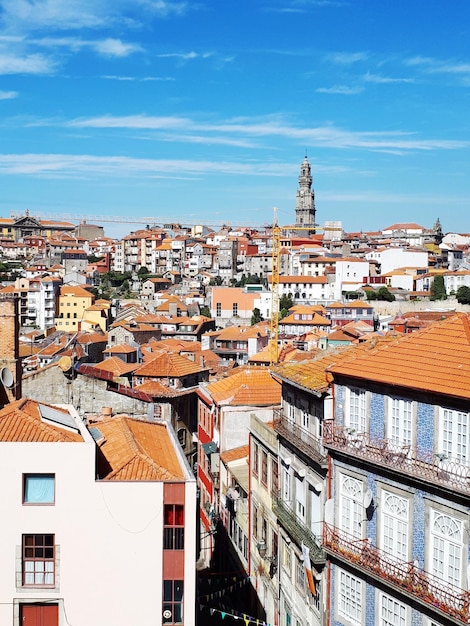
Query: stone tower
[[305, 198]]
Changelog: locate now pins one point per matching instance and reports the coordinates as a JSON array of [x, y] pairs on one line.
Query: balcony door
[[446, 557], [400, 422], [394, 536], [351, 508]]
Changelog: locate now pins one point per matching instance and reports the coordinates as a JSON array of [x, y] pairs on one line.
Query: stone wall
[[86, 394]]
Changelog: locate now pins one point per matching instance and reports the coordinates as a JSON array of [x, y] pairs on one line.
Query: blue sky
[[202, 110]]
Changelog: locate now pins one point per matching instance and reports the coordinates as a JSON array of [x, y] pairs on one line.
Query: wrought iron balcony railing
[[299, 437], [434, 469], [297, 530], [427, 589]]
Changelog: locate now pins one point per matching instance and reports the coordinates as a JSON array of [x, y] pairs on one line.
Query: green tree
[[215, 282], [142, 271], [384, 294], [205, 310], [438, 289], [256, 316], [463, 295]]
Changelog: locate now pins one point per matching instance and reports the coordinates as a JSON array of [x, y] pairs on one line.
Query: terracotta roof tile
[[139, 450], [435, 359], [249, 387], [168, 365], [234, 454], [21, 421], [116, 366]]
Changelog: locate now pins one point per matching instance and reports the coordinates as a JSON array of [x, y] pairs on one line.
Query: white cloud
[[376, 78], [347, 58], [8, 95], [323, 136], [48, 165], [106, 47], [28, 64], [340, 89], [30, 15], [185, 56], [433, 66], [115, 47]]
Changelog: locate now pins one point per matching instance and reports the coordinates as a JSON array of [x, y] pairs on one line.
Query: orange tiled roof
[[435, 359], [21, 421], [139, 450], [316, 320], [234, 454], [168, 365], [116, 366], [249, 387]]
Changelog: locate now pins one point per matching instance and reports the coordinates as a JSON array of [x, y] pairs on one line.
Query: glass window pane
[[39, 488]]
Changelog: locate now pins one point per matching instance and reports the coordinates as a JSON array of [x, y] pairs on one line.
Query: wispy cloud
[[62, 15], [347, 58], [184, 56], [89, 165], [105, 47], [8, 95], [274, 127], [302, 6], [138, 78], [434, 66], [28, 64], [376, 78], [340, 89]]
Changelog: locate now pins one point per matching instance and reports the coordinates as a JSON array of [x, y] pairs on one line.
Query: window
[[255, 521], [300, 574], [351, 506], [453, 435], [286, 485], [400, 421], [356, 410], [235, 309], [173, 529], [391, 612], [300, 498], [38, 560], [395, 526], [172, 602], [264, 467], [38, 488], [255, 459], [446, 548], [274, 477], [218, 309], [350, 597]]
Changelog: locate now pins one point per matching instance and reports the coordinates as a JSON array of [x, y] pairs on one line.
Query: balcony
[[300, 438], [297, 530], [425, 467], [427, 589]]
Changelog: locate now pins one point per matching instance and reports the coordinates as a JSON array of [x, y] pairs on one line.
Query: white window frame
[[350, 596], [356, 409], [286, 485], [351, 507], [300, 498], [395, 525], [454, 435], [391, 612], [400, 429], [446, 549]]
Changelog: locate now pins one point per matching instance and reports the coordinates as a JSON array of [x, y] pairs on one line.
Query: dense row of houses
[[350, 504]]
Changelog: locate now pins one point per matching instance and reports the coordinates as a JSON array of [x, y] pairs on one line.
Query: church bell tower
[[305, 198]]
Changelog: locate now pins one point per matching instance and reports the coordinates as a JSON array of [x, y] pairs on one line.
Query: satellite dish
[[65, 363], [367, 499], [6, 377], [330, 512]]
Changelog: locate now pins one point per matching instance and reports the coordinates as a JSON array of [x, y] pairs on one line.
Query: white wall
[[109, 533]]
